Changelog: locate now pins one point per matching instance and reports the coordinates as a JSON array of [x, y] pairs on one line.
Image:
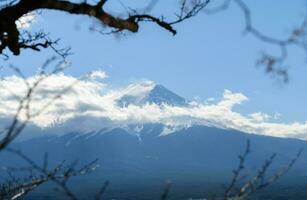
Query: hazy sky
[[208, 55]]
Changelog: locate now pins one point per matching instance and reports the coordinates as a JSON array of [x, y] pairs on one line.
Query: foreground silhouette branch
[[11, 38], [257, 182], [17, 187], [60, 175], [24, 102], [274, 64]]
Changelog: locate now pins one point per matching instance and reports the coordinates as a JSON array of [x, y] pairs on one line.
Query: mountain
[[198, 155], [151, 93], [139, 158], [196, 147]]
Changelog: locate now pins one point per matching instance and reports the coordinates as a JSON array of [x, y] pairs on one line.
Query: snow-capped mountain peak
[[149, 92]]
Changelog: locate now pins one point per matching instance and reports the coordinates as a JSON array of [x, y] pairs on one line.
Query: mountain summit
[[149, 92]]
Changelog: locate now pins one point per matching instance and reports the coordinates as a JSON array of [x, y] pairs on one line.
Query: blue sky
[[208, 55]]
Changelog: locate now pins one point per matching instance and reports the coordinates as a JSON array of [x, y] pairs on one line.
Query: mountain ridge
[[152, 94]]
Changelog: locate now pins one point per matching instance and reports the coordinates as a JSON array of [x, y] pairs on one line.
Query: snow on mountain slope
[[149, 92]]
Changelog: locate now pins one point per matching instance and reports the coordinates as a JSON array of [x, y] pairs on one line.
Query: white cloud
[[99, 74], [90, 105], [26, 21], [230, 99], [260, 117]]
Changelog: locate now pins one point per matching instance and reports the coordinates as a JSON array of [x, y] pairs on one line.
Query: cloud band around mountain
[[91, 105]]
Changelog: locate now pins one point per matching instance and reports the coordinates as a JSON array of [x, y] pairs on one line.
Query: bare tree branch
[[274, 64], [257, 182], [24, 104], [11, 38], [60, 175]]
